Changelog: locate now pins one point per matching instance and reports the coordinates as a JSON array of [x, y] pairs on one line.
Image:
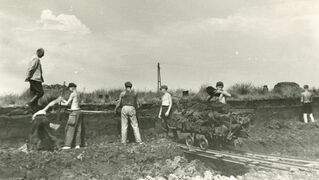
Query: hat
[[128, 84], [72, 85], [163, 87], [219, 83]]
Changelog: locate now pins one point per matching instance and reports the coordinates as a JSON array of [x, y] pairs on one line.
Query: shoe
[[77, 147], [141, 143], [65, 148]]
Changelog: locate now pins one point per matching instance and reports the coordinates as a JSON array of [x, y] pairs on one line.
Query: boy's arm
[[160, 113], [32, 68], [119, 102], [302, 99], [170, 104], [137, 105], [225, 93], [209, 98], [65, 103], [44, 110]]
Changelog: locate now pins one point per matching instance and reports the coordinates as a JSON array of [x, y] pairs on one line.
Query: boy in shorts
[[306, 99]]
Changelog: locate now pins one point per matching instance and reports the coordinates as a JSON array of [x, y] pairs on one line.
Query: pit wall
[[15, 122], [18, 127]]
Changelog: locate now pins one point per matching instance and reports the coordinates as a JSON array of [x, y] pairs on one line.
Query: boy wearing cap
[[166, 107], [74, 125], [128, 101], [306, 99], [222, 94]]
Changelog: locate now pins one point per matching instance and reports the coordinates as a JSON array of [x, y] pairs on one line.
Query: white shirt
[[166, 99]]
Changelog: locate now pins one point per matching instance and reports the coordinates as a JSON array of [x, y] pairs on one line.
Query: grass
[[247, 91], [239, 91], [99, 96]]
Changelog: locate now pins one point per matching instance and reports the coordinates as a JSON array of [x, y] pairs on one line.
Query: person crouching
[[74, 127]]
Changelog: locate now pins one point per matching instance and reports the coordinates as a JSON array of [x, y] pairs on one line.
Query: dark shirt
[[129, 98]]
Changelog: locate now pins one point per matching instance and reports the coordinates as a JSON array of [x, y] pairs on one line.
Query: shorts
[[307, 108]]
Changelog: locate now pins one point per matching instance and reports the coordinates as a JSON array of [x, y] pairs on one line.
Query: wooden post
[[158, 77]]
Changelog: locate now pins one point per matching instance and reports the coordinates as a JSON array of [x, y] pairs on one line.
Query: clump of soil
[[211, 119]]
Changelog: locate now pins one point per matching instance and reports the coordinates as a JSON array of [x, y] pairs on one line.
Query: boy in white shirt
[[166, 106]]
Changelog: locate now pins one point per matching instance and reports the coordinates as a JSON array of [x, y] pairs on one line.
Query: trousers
[[129, 113], [74, 129]]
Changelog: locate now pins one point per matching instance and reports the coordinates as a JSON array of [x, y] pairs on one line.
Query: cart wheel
[[190, 140], [203, 143]]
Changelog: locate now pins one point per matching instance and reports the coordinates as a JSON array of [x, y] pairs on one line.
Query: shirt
[[35, 70], [306, 97], [128, 98], [166, 99]]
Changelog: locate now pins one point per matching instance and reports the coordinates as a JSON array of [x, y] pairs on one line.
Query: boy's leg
[[311, 117], [37, 92], [305, 118], [124, 121], [134, 125], [78, 138], [69, 135]]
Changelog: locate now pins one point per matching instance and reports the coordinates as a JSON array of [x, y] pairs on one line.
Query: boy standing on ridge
[[306, 99], [128, 101], [74, 126], [35, 78]]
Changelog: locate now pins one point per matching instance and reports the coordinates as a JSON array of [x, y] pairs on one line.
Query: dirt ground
[[106, 158], [159, 158], [285, 139]]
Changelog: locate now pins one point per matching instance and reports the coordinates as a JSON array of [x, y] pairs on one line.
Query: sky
[[103, 43]]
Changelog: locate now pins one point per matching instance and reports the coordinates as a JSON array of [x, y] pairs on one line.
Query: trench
[[275, 130]]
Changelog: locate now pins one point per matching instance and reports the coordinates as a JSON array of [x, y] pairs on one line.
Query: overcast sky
[[103, 43]]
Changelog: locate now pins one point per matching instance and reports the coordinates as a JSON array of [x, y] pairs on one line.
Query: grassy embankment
[[239, 91]]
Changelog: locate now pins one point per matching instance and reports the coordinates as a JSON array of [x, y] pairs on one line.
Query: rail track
[[255, 160]]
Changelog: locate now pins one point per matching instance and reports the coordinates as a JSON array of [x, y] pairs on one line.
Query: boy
[[217, 94], [166, 107], [41, 129], [222, 93], [128, 101], [306, 99], [35, 78], [74, 125]]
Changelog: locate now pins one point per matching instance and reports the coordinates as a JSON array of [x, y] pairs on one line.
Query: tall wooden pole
[[158, 77]]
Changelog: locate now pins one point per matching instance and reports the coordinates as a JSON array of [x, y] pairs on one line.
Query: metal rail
[[257, 160]]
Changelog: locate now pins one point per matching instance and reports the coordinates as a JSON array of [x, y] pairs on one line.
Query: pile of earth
[[210, 118], [284, 138]]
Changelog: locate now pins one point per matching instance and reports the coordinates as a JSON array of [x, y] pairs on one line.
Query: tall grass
[[239, 91]]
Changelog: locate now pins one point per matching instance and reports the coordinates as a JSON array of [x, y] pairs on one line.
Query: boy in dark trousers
[[74, 126]]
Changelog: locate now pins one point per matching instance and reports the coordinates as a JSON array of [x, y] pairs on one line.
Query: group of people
[[127, 101], [74, 126]]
